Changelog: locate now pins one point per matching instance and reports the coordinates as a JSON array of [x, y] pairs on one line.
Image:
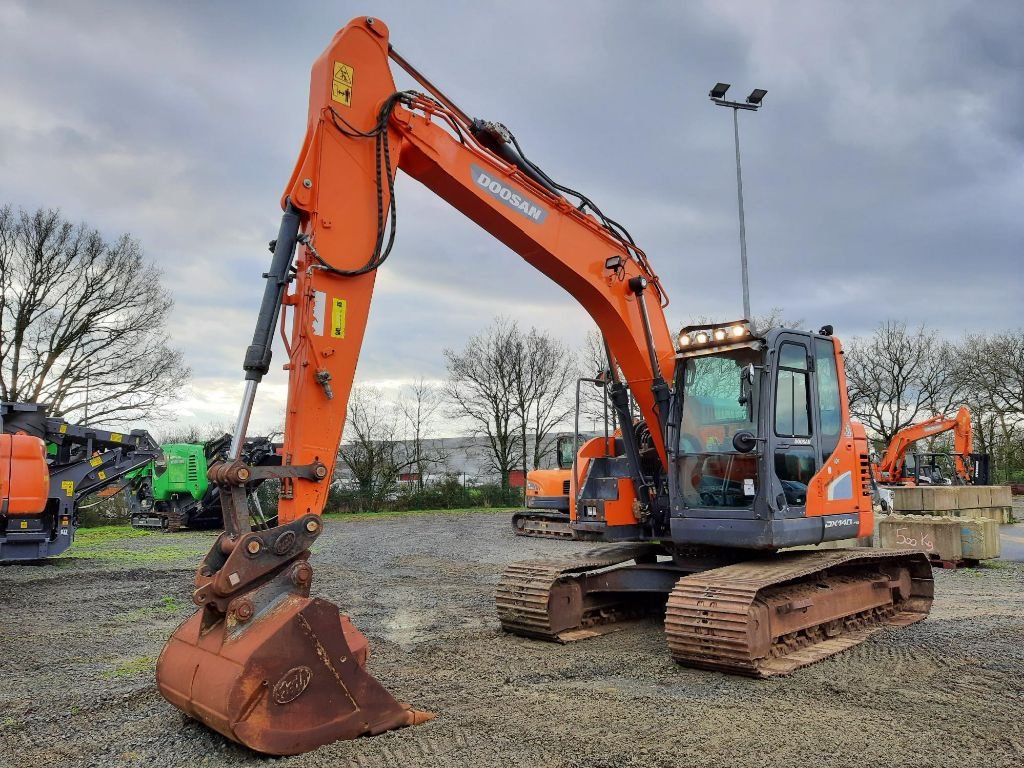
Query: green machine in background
[[174, 493]]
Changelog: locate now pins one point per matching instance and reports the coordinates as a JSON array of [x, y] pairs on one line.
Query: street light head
[[756, 96], [719, 90]]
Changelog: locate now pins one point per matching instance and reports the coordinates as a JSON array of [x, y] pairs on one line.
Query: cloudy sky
[[883, 178]]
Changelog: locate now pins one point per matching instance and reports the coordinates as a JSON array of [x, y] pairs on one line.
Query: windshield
[[711, 472], [712, 412]]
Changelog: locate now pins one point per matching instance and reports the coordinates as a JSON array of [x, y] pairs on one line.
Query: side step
[[770, 617]]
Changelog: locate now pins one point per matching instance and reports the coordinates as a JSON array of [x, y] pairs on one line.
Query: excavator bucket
[[290, 682], [266, 665]]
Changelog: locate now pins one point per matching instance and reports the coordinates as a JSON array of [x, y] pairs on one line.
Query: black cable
[[612, 226], [382, 162]]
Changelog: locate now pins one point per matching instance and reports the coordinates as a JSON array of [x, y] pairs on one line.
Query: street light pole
[[743, 224], [752, 104]]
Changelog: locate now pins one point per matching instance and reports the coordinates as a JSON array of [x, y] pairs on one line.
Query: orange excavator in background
[[891, 469], [743, 445], [547, 497]]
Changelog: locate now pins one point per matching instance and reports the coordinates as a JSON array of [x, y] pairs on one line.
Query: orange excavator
[[547, 497], [743, 445], [891, 468]]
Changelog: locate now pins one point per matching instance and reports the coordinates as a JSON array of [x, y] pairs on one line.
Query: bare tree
[[992, 370], [481, 389], [419, 408], [994, 365], [774, 318], [82, 321], [593, 364], [370, 447], [545, 379], [900, 376]]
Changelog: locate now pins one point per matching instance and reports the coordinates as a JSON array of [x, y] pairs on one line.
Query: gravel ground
[[79, 638]]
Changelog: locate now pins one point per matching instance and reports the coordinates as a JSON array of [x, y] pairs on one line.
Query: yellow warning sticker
[[101, 475], [96, 461], [341, 86], [24, 523], [63, 429], [115, 438], [68, 486], [338, 319]]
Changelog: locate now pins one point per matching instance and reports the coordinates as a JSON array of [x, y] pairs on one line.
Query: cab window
[[829, 407], [792, 412]]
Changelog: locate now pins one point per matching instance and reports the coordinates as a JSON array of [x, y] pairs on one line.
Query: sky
[[883, 178]]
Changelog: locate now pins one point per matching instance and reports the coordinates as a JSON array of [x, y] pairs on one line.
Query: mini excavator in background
[[969, 468], [744, 442], [47, 466]]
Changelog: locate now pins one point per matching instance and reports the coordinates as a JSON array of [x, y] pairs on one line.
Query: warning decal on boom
[[341, 86]]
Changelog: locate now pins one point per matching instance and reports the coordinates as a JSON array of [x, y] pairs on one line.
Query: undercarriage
[[760, 617]]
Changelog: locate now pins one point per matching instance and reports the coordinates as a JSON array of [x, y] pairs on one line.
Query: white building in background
[[463, 457]]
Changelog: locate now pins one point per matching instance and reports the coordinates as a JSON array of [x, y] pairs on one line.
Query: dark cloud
[[883, 178]]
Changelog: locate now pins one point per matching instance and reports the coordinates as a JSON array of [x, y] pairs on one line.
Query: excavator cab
[[761, 456]]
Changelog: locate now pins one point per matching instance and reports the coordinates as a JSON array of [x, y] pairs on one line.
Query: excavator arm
[[340, 202], [890, 468], [262, 662]]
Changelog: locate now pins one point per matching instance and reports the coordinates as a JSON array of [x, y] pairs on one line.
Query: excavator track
[[766, 618], [542, 525], [545, 599]]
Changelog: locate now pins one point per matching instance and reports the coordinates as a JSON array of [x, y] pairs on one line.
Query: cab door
[[795, 447]]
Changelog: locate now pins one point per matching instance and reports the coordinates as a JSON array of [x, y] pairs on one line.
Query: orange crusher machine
[[47, 466]]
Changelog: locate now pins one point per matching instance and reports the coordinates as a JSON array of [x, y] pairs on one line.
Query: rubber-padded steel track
[[721, 619], [542, 599]]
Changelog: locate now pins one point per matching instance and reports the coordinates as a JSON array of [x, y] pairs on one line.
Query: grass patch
[[415, 512], [131, 667], [995, 565], [170, 604], [89, 537], [163, 554]]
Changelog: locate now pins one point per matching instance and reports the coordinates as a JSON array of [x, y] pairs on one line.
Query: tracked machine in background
[[47, 467], [548, 497], [175, 493], [744, 443], [550, 493], [964, 467]]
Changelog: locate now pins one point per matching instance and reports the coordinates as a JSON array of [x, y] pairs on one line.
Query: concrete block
[[984, 495], [942, 499], [906, 499], [936, 536], [967, 497], [1001, 496], [979, 539], [999, 515]]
